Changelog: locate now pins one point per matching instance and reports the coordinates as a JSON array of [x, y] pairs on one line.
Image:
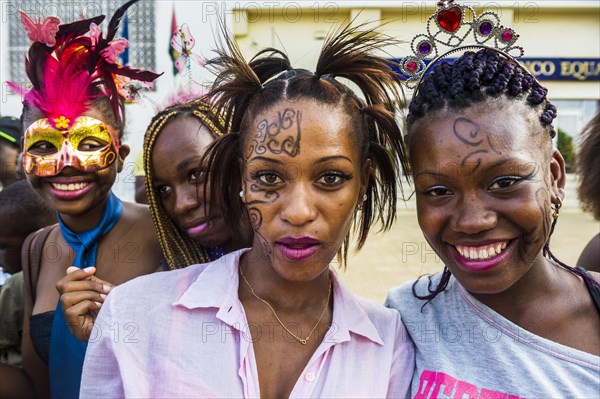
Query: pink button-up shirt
[[184, 333]]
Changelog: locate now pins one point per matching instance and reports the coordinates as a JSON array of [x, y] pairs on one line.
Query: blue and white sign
[[578, 69]]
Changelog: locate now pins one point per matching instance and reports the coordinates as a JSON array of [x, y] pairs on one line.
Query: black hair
[[476, 77], [588, 166], [244, 89], [24, 210]]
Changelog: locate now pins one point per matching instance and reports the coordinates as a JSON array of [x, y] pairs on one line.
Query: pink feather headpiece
[[80, 66]]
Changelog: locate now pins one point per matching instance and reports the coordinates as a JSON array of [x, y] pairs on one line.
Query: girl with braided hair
[[175, 142], [187, 233], [505, 318], [308, 160]]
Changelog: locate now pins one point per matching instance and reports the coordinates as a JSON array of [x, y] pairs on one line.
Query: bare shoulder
[[590, 256], [136, 210], [138, 219], [132, 243]]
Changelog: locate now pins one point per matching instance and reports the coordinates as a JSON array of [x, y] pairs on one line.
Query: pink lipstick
[[192, 231], [298, 248], [479, 265], [69, 191]]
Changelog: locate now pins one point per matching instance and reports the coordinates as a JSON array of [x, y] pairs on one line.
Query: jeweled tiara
[[449, 30]]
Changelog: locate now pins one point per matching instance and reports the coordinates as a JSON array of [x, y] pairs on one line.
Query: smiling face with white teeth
[[484, 187], [73, 192]]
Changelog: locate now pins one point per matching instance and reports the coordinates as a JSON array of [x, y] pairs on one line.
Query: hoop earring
[[556, 208]]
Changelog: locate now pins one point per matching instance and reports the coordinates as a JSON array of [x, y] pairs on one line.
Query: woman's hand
[[81, 296]]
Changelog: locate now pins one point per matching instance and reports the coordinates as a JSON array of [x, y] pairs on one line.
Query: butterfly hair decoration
[[41, 31], [113, 49], [132, 91], [182, 42]]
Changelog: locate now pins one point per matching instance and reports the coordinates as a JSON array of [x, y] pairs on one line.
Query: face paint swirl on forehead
[[469, 133], [88, 145], [279, 136]]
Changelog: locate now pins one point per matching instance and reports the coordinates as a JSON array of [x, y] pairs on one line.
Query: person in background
[[10, 141], [178, 202], [588, 167], [10, 138], [22, 212]]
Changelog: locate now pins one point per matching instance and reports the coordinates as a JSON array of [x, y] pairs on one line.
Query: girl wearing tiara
[[308, 160], [505, 318], [72, 152]]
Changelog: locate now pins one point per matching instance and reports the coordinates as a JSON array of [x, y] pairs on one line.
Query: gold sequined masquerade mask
[[87, 145]]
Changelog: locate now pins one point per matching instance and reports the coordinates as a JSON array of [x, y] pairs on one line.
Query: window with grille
[[141, 28]]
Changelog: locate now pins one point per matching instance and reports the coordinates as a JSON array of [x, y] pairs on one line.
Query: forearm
[[15, 383]]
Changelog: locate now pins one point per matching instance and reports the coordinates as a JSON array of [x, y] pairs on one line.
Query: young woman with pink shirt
[[308, 160]]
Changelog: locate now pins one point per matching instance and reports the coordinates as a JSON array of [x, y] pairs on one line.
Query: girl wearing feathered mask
[[73, 121]]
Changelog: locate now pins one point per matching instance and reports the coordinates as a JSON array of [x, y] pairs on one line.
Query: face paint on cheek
[[256, 219], [536, 237], [89, 145], [274, 138], [257, 198]]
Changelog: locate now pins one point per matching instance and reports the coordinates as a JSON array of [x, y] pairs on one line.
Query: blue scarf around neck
[[66, 351]]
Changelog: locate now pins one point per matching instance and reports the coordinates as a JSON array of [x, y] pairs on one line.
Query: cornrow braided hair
[[473, 78], [179, 249], [243, 90], [476, 77]]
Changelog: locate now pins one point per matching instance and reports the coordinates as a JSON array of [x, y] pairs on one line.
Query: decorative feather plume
[[67, 77], [115, 21], [64, 89]]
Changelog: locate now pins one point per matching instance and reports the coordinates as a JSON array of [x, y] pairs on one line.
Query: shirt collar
[[349, 315], [217, 287]]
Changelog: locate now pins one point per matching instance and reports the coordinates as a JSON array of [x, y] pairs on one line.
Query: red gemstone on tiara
[[450, 19], [507, 35], [411, 66], [485, 28]]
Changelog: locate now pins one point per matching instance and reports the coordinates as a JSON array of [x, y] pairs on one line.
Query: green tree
[[566, 148]]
